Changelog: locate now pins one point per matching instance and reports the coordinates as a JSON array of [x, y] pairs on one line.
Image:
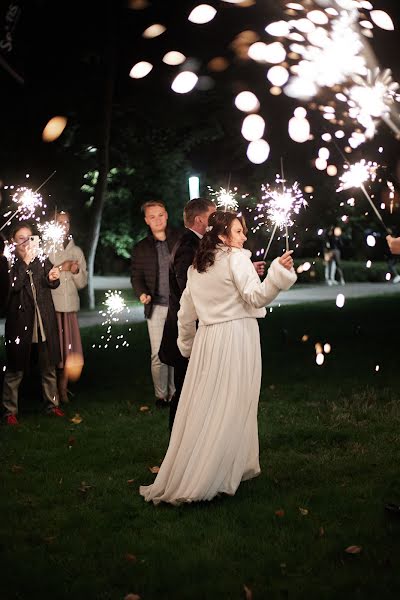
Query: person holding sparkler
[[214, 440], [31, 326], [150, 282], [71, 263]]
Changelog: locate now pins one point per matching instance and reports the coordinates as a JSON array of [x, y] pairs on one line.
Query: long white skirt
[[214, 441]]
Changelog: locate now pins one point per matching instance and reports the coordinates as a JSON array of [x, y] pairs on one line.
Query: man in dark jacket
[[31, 325], [150, 282], [195, 217]]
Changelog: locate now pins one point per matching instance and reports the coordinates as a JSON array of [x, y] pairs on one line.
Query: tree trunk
[[103, 155]]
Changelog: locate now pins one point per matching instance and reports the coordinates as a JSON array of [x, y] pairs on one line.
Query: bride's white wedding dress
[[214, 441]]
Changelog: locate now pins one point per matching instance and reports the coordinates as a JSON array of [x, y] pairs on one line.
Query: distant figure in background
[[71, 263], [31, 325], [150, 282], [332, 256], [392, 260], [195, 218]]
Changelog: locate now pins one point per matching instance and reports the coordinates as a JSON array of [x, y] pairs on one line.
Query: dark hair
[[150, 204], [63, 212], [20, 225], [220, 223], [2, 243], [195, 207]]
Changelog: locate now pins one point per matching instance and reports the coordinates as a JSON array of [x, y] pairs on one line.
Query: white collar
[[196, 233]]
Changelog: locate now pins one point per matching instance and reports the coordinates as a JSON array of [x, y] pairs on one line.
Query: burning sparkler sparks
[[115, 305], [357, 174], [322, 48], [53, 234], [370, 100], [27, 202], [279, 206], [226, 199]]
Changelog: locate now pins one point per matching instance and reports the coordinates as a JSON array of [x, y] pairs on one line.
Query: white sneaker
[[396, 279]]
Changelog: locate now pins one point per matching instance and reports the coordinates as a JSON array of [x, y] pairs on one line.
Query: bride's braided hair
[[219, 223]]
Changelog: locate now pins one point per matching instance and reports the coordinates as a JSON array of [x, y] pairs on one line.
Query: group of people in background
[[202, 296], [40, 301]]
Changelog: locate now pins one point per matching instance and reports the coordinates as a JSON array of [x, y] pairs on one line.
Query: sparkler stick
[[368, 197], [45, 181], [283, 191], [364, 191], [270, 241]]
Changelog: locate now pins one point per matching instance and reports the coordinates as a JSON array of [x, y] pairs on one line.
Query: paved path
[[301, 293]]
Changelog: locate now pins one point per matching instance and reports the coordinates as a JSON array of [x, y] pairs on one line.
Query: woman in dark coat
[[30, 324]]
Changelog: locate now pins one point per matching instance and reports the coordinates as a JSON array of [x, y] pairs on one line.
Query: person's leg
[[12, 380], [327, 272], [49, 379], [392, 261], [159, 371], [338, 266], [179, 375], [333, 271]]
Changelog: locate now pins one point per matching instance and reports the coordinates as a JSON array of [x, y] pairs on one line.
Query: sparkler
[[115, 305], [9, 253], [225, 198], [372, 98], [28, 201], [357, 175], [52, 235], [322, 47], [279, 206]]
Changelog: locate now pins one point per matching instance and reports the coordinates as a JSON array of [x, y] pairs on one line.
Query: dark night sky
[[50, 40]]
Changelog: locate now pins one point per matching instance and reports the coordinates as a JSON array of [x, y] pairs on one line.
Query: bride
[[214, 441]]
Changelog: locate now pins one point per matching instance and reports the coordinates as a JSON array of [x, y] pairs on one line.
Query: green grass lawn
[[73, 525]]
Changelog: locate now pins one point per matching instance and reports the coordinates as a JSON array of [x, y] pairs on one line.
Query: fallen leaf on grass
[[76, 419], [130, 481], [132, 597], [154, 469], [84, 487], [248, 594], [144, 408], [280, 512], [321, 531], [131, 558], [303, 511], [50, 539], [353, 549], [17, 469]]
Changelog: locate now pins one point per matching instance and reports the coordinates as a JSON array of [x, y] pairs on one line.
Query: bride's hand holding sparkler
[[286, 260]]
